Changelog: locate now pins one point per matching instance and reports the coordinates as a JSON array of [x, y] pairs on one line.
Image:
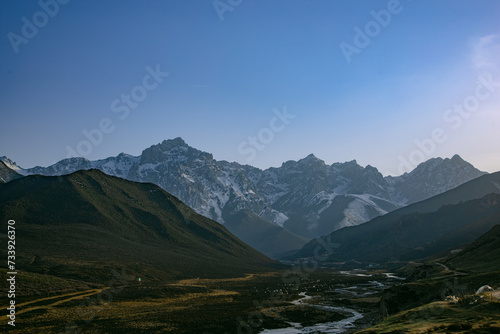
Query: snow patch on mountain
[[12, 165], [366, 199], [355, 213], [324, 199]]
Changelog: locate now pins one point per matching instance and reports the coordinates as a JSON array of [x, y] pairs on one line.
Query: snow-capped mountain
[[307, 197], [7, 174], [11, 165], [433, 177]]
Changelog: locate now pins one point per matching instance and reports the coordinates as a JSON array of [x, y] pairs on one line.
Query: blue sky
[[233, 65]]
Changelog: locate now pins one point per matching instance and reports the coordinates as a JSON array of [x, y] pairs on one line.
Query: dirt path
[[72, 296], [456, 273]]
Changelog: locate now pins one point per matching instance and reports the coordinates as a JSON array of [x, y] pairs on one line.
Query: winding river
[[360, 291], [327, 327]]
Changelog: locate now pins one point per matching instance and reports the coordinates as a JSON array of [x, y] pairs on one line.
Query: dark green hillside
[[482, 255], [422, 304], [85, 224]]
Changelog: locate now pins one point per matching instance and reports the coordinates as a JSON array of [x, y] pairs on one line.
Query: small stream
[[363, 290]]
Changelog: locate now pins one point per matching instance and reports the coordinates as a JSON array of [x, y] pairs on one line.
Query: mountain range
[[286, 206]]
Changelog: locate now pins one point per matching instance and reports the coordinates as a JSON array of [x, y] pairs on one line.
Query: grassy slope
[[483, 255], [421, 305], [84, 225], [443, 317]]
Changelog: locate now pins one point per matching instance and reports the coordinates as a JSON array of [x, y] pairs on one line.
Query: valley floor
[[248, 304], [323, 301]]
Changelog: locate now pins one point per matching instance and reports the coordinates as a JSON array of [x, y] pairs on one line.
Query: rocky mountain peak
[[457, 159], [372, 170], [353, 164], [311, 159], [173, 150], [160, 152], [435, 176], [169, 144], [9, 163], [440, 165]]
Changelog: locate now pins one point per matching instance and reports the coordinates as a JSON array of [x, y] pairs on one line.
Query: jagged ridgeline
[[286, 206], [7, 174]]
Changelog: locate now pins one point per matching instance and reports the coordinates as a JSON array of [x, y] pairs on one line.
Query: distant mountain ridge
[[421, 229], [307, 197], [7, 173]]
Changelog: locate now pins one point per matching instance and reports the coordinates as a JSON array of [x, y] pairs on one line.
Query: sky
[[388, 83]]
